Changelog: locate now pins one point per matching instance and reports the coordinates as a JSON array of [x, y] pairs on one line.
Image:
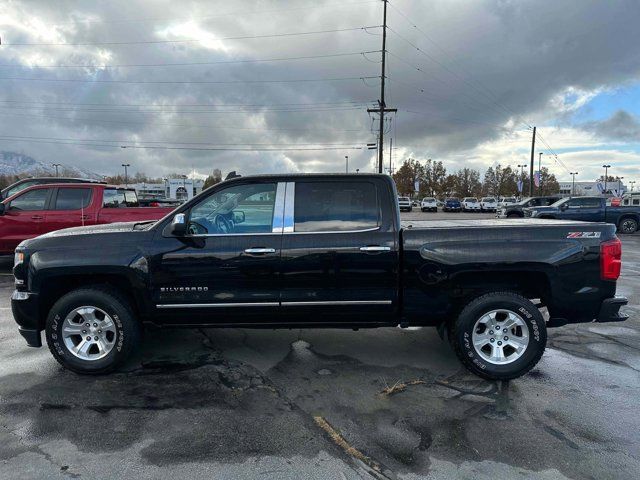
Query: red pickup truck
[[43, 208]]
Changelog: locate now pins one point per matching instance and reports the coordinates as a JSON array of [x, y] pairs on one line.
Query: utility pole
[[56, 165], [533, 148], [606, 169], [382, 107], [126, 178], [346, 157], [390, 156], [573, 183], [540, 174]]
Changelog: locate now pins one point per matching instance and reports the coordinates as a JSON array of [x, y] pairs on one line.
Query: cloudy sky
[[283, 86]]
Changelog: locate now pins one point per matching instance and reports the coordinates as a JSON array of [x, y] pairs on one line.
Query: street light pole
[[126, 178], [573, 183], [606, 169], [540, 174], [56, 165], [620, 186], [346, 157]]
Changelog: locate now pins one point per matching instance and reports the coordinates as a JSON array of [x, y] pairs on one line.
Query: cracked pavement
[[235, 403]]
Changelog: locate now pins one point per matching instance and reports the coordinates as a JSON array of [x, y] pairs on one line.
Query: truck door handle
[[375, 248], [256, 250], [85, 217], [36, 217]]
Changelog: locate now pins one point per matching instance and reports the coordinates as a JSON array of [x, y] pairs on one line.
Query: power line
[[163, 110], [158, 147], [345, 102], [188, 64], [196, 126], [221, 15], [155, 42], [188, 82]]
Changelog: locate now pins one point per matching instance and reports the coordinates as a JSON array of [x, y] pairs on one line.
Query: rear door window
[[336, 207], [72, 198], [30, 201]]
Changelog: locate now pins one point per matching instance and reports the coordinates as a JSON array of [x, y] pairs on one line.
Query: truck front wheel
[[91, 330], [628, 225], [499, 335]]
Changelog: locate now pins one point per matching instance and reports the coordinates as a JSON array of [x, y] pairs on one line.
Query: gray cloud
[[620, 126], [484, 62]]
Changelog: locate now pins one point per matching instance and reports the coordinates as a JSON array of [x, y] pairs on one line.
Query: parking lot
[[326, 404]]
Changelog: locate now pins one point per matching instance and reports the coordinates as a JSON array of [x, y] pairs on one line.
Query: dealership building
[[181, 189], [591, 188]]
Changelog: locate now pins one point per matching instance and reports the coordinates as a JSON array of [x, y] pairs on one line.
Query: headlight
[[18, 258]]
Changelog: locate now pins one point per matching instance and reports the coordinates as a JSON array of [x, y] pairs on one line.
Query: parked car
[[488, 204], [43, 208], [470, 204], [405, 204], [516, 210], [30, 182], [452, 205], [429, 204], [504, 201], [314, 251], [590, 209]]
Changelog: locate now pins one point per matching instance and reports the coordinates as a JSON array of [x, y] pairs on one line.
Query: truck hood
[[121, 227]]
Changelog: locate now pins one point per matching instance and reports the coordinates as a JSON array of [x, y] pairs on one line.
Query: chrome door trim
[[260, 250], [338, 302], [217, 305], [375, 248]]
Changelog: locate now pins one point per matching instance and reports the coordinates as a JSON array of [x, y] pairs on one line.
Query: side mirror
[[179, 225], [564, 206], [2, 208], [238, 216]]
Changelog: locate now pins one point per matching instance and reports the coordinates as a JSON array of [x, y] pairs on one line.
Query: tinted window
[[72, 198], [33, 200], [238, 209], [550, 201], [113, 198], [584, 202], [636, 201], [488, 199], [334, 207], [19, 188]]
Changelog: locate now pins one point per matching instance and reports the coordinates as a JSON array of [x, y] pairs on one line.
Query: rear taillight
[[610, 259]]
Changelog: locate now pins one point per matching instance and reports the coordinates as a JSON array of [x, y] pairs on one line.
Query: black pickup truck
[[315, 251]]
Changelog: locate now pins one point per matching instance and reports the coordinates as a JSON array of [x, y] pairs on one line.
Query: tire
[[423, 210], [513, 215], [469, 328], [410, 209], [628, 225], [115, 343]]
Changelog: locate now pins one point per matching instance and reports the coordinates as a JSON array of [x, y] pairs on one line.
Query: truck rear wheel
[[91, 330], [499, 336]]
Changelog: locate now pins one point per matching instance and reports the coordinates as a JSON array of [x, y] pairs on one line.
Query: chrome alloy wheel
[[500, 336], [89, 333]]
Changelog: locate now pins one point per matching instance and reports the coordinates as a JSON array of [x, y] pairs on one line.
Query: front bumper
[[24, 306], [610, 310]]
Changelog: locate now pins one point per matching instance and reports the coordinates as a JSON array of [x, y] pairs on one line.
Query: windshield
[[451, 200], [403, 199], [429, 199], [488, 199], [471, 199]]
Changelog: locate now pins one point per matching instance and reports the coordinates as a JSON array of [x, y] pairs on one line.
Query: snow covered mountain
[[12, 163]]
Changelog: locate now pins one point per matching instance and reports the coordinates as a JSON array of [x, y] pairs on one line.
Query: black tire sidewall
[[470, 315], [622, 229], [126, 330]]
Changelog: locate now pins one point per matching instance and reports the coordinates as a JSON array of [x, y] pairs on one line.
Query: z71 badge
[[583, 235]]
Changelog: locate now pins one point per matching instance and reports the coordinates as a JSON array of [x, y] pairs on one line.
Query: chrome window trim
[[289, 208], [278, 208], [216, 305], [289, 227]]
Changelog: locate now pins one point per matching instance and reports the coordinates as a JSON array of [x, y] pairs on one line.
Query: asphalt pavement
[[326, 404]]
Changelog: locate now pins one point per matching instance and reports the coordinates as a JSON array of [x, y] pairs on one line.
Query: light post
[[126, 178], [540, 174], [573, 183], [346, 157], [357, 170], [620, 186], [606, 169], [56, 165], [522, 167]]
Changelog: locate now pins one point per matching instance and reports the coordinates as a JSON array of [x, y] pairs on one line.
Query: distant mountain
[[12, 163]]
